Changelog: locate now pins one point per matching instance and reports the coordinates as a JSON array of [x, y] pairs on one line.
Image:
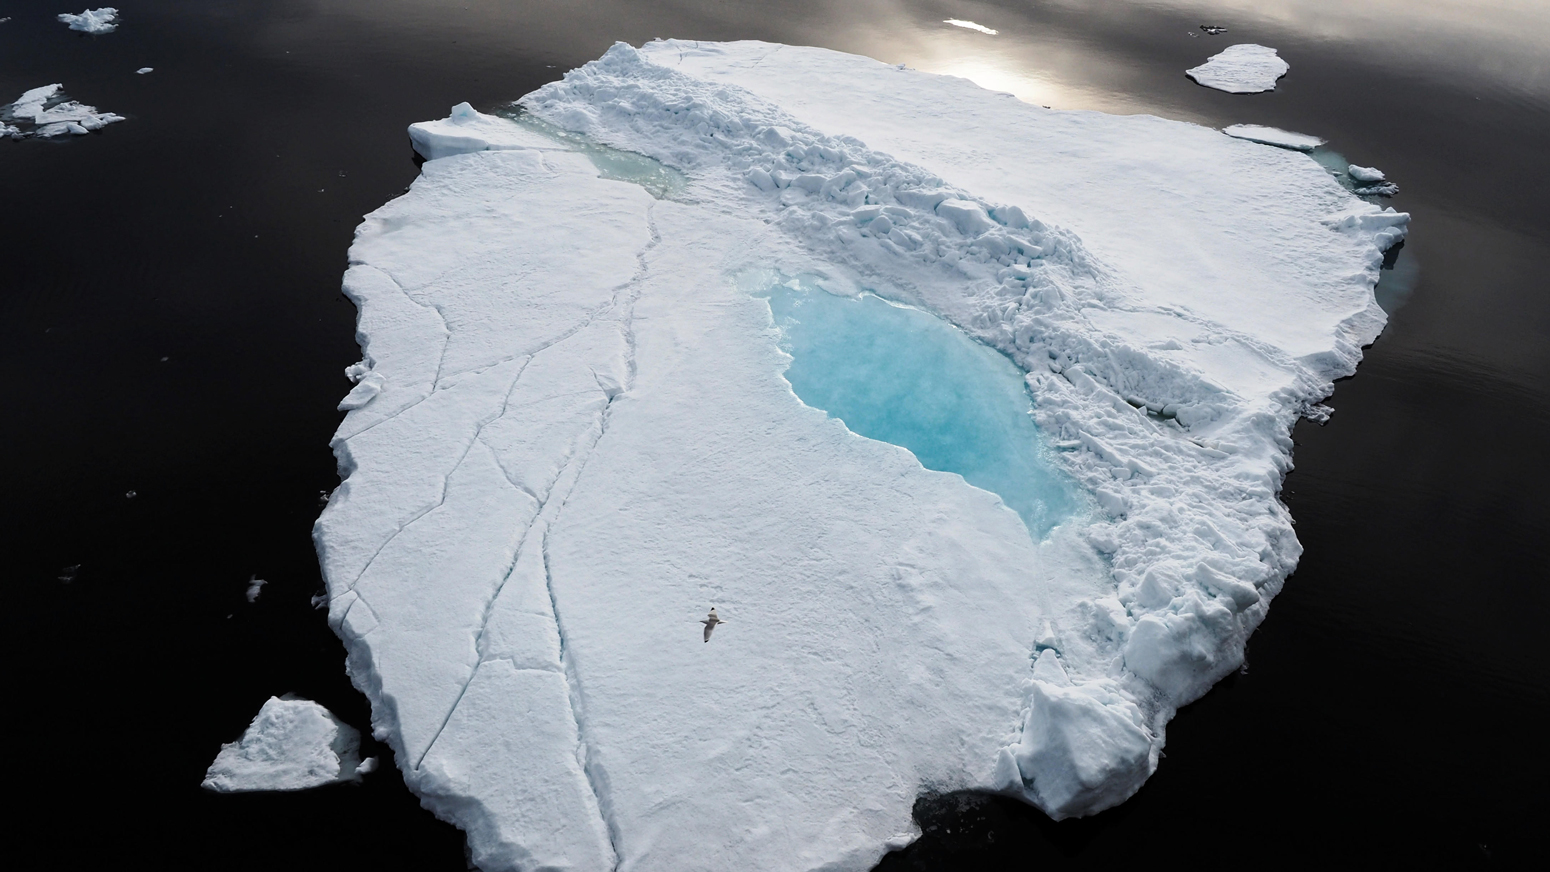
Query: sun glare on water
[[959, 22]]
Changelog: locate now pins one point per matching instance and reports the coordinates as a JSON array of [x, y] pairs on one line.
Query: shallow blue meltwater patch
[[904, 376]]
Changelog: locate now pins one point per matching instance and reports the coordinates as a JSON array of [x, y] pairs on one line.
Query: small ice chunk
[[1245, 68], [466, 130], [143, 70], [1274, 136], [292, 744], [104, 20], [1366, 174], [255, 587], [364, 392], [43, 112], [1382, 189], [1213, 29], [368, 766], [959, 22]]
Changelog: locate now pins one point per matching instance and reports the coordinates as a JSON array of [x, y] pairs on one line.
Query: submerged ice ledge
[[574, 437]]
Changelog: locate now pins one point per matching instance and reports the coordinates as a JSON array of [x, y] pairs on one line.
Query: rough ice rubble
[[104, 20], [33, 115], [578, 439], [1245, 68], [292, 744], [1373, 183], [1274, 136]]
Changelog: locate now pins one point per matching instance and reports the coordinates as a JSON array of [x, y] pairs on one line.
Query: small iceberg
[[1241, 69], [1274, 136], [44, 112], [292, 744], [143, 70], [104, 20], [1366, 174]]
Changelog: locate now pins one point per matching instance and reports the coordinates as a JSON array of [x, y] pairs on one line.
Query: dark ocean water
[[171, 325]]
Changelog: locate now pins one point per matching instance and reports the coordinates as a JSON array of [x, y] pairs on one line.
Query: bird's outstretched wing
[[709, 626]]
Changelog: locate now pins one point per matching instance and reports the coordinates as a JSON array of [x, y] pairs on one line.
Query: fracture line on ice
[[628, 293], [445, 479]]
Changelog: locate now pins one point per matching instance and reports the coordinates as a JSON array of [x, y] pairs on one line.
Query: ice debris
[[581, 432], [44, 112], [1365, 174], [1241, 69], [255, 587], [143, 70], [104, 20], [1274, 136], [1213, 29], [292, 744]]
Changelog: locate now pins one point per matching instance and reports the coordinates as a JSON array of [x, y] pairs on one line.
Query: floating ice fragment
[[69, 573], [44, 112], [1274, 136], [1365, 174], [292, 744], [255, 586], [104, 20], [368, 766], [1241, 69], [366, 389], [143, 70], [1213, 29], [1383, 189], [959, 22]]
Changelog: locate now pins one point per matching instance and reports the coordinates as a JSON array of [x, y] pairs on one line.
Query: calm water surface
[[171, 324]]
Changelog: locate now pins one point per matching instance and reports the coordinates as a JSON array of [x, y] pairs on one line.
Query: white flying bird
[[711, 622]]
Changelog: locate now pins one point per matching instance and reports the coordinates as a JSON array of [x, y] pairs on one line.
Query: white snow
[[104, 20], [1241, 69], [1274, 136], [1365, 174], [292, 744], [37, 118], [579, 439], [959, 22]]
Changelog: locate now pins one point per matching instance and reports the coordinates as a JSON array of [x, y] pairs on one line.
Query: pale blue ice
[[901, 375]]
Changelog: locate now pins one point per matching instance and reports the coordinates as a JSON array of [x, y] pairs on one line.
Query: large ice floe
[[1241, 69], [603, 390], [44, 112], [292, 744]]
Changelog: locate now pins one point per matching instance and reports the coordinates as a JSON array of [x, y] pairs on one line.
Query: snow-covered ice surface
[[1245, 68], [1365, 174], [44, 112], [292, 744], [1274, 136], [104, 20], [578, 437]]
